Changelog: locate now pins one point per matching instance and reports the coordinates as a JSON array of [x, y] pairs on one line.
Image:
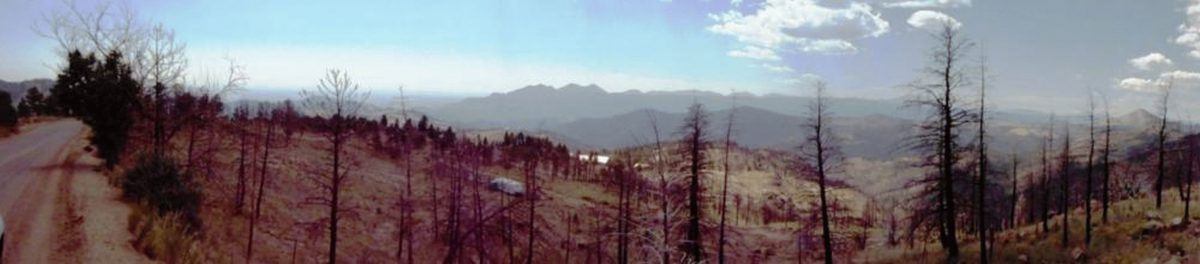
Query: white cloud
[[1175, 79], [1190, 30], [755, 52], [802, 26], [926, 3], [932, 20], [777, 68], [1151, 61], [1138, 85], [1180, 76]]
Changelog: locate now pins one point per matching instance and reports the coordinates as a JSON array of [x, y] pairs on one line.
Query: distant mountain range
[[594, 118], [541, 106], [588, 117], [17, 89]]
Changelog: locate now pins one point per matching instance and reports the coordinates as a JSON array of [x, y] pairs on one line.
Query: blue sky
[[1044, 54]]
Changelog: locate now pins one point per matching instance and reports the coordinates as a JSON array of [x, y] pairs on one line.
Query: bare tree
[[938, 135], [1187, 162], [336, 99], [406, 133], [623, 172], [162, 58], [1105, 164], [154, 54], [530, 166], [823, 152], [99, 30], [268, 118], [241, 115], [1046, 168], [1091, 155], [1012, 212], [694, 149], [1163, 105], [1065, 179], [662, 244], [981, 184], [725, 177]]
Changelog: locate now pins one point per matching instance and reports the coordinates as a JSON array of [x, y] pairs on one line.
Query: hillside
[[1135, 233], [767, 202], [17, 89]]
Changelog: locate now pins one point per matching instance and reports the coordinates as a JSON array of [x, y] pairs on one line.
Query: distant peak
[[590, 88], [1140, 113], [537, 88], [1137, 117]]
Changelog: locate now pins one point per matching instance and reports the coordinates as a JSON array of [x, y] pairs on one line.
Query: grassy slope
[[371, 235], [1115, 242]]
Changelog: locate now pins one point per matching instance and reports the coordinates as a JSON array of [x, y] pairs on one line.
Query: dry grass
[[1117, 241], [162, 237], [291, 228]]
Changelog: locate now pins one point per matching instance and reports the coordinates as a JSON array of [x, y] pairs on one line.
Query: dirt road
[[56, 207], [34, 152]]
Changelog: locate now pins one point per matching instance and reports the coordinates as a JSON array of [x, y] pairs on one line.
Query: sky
[[1042, 55]]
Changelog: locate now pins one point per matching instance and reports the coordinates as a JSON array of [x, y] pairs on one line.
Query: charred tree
[[824, 155], [981, 184], [268, 121], [1161, 141], [1065, 183], [336, 101], [939, 133], [1091, 155], [725, 179], [1105, 163], [694, 149]]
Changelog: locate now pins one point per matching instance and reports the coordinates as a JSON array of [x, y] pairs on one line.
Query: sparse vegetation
[[322, 182], [157, 183], [8, 115], [166, 215]]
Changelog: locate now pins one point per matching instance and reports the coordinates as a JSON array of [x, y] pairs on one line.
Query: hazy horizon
[[1042, 53]]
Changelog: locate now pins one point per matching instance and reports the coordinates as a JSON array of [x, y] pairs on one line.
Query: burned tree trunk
[[1162, 142], [269, 122], [694, 149], [822, 150], [335, 100]]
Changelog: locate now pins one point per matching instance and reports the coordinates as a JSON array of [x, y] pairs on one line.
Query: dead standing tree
[[939, 133], [335, 101], [1065, 183], [1091, 155], [241, 116], [660, 239], [821, 150], [1161, 141], [1105, 164], [982, 226], [725, 178], [694, 148], [268, 119], [1046, 168], [406, 134]]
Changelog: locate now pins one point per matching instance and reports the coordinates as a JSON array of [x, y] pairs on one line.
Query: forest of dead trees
[[672, 200]]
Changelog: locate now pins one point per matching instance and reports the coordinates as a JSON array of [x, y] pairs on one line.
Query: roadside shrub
[[162, 237], [158, 184], [8, 115]]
